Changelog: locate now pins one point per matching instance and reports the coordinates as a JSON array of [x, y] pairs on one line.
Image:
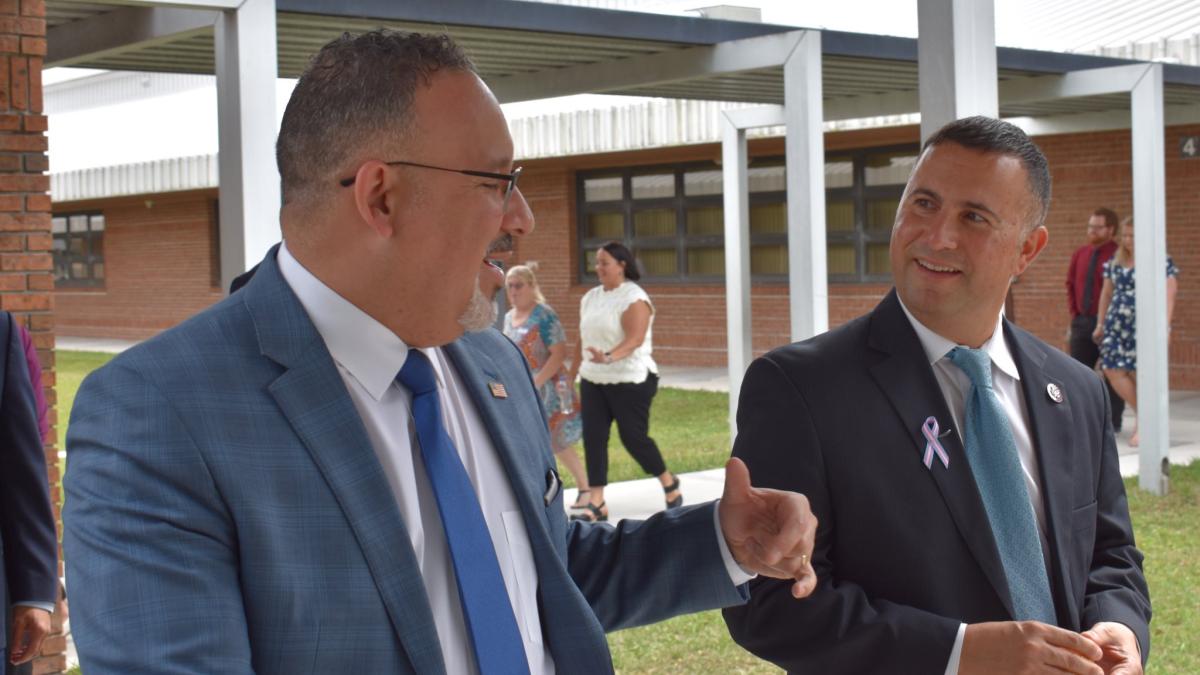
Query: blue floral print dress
[[1118, 349], [542, 330]]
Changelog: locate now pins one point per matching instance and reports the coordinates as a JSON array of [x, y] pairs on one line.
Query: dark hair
[[992, 135], [1110, 217], [355, 91], [623, 255]]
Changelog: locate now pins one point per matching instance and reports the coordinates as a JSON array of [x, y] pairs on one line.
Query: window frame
[[88, 257], [859, 194]]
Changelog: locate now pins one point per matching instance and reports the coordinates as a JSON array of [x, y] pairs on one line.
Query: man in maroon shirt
[[1084, 281]]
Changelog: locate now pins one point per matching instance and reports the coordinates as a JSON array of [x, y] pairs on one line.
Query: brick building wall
[[158, 258], [1089, 170], [26, 282], [160, 266]]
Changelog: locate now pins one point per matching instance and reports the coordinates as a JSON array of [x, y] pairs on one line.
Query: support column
[[1150, 262], [246, 59], [808, 285], [956, 61], [737, 259]]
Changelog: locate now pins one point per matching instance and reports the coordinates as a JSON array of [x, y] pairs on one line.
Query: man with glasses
[[324, 474], [1084, 280]]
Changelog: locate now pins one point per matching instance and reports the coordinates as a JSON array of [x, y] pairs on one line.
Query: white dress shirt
[[1006, 382], [368, 357]]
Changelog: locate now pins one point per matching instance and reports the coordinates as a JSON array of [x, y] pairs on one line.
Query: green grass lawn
[[690, 427]]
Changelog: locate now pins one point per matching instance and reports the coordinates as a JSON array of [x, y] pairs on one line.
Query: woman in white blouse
[[619, 377]]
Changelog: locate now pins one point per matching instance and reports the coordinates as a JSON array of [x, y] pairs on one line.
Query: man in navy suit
[[973, 518], [324, 474], [28, 543]]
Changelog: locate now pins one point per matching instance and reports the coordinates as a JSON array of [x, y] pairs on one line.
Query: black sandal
[[668, 489], [578, 505], [591, 514]]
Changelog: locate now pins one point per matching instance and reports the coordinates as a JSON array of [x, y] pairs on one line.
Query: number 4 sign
[[1189, 147]]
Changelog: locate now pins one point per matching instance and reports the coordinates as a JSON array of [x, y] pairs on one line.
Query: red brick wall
[[26, 281], [1089, 170], [157, 257]]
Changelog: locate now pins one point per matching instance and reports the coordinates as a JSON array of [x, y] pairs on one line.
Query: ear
[[1034, 242], [377, 196]]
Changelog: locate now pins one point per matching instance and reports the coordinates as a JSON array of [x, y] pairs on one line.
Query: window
[[78, 249], [673, 216]]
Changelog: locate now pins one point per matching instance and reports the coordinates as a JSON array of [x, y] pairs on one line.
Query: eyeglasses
[[510, 177]]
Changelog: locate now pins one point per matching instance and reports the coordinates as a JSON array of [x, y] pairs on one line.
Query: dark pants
[[1085, 350], [629, 405]]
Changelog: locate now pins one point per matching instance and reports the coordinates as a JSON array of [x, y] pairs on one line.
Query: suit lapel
[[313, 398], [1049, 428], [479, 373], [909, 384]]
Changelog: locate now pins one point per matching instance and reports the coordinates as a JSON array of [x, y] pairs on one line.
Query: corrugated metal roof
[[167, 175]]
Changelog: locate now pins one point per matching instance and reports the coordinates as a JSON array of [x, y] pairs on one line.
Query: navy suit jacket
[[905, 553], [226, 512], [28, 543]]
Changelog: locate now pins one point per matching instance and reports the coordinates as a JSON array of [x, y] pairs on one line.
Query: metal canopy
[[509, 39]]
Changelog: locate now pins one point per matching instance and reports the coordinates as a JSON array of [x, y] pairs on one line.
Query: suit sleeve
[[1116, 587], [839, 628], [640, 572], [27, 535], [149, 545]]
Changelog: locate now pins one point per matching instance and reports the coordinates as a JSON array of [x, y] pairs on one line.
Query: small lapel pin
[[1054, 393], [498, 390], [932, 445]]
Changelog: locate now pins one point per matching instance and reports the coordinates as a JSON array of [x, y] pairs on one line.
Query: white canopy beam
[[956, 61], [249, 180]]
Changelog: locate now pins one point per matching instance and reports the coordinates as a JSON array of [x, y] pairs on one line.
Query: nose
[[518, 218], [941, 231]]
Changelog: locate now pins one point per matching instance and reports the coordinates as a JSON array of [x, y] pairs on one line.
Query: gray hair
[[357, 90], [992, 135]]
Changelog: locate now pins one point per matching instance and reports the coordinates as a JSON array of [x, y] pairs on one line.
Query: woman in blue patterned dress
[[1117, 335], [536, 330]]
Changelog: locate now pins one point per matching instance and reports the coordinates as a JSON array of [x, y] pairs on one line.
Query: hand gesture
[[30, 626], [1122, 655], [1025, 648], [769, 532]]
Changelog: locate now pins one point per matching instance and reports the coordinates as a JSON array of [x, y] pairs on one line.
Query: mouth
[[936, 268], [499, 252]]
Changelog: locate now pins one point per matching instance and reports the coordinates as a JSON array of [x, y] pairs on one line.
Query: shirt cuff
[[737, 574], [48, 606], [956, 653]]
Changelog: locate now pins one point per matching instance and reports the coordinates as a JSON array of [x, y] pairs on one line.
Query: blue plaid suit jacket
[[226, 513]]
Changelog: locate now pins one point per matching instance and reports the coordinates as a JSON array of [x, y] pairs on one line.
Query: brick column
[[26, 267]]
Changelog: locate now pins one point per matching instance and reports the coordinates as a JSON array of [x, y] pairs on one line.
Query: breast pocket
[[525, 575]]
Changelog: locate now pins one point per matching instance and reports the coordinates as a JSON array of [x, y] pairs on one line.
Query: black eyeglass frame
[[510, 177]]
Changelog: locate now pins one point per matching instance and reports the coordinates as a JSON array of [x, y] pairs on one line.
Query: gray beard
[[480, 313]]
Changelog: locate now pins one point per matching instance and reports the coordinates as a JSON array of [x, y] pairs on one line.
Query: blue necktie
[[488, 613], [992, 453]]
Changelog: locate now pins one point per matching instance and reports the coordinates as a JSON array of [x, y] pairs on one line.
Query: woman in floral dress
[[536, 330], [1117, 335]]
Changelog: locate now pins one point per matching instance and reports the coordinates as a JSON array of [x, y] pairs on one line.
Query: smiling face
[[960, 237], [610, 271], [447, 222]]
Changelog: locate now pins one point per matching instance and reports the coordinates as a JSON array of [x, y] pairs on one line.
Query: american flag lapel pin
[[498, 390]]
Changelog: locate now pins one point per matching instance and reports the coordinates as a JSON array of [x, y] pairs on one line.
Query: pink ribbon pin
[[932, 444]]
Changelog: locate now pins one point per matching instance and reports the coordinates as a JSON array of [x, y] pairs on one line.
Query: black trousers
[[10, 669], [1085, 350], [629, 405]]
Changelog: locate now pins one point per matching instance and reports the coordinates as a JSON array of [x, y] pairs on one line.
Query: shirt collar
[[937, 347], [368, 350]]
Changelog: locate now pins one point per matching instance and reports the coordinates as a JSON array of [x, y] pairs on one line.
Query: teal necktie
[[491, 625], [992, 454]]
